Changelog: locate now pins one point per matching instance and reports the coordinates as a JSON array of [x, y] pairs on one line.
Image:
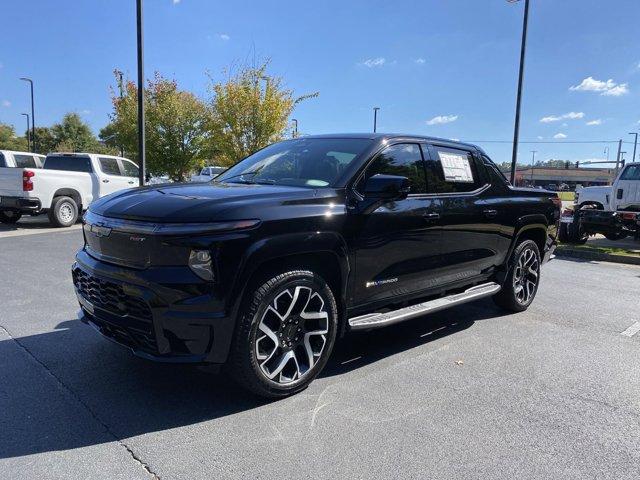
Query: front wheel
[[284, 335], [9, 216], [521, 285], [63, 212]]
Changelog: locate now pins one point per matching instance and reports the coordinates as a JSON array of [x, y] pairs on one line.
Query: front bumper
[[20, 204], [164, 314]]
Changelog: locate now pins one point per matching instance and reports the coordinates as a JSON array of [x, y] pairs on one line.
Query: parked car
[[207, 174], [64, 187], [302, 242], [613, 211]]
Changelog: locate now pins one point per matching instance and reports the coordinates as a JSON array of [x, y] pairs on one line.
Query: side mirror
[[387, 187]]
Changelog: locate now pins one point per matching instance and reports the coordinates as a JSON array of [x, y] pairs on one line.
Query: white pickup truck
[[613, 211], [207, 174], [64, 187], [11, 159]]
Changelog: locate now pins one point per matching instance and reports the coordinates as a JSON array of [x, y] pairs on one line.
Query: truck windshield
[[305, 162]]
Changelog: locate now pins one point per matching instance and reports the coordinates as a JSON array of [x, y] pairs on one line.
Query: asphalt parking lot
[[465, 393]]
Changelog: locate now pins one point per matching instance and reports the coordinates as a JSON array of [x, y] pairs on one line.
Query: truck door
[[111, 179], [396, 245], [130, 172], [627, 190], [470, 218]]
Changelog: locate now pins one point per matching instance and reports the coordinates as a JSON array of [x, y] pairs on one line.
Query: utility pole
[[635, 144], [618, 156], [375, 118], [28, 134], [33, 115], [295, 127], [516, 128], [141, 143], [533, 162]]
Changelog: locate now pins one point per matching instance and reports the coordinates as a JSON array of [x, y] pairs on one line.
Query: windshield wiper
[[252, 172]]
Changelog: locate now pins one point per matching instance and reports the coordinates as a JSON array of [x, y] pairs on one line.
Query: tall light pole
[[635, 144], [533, 162], [516, 128], [295, 127], [33, 116], [141, 143], [375, 118], [28, 135]]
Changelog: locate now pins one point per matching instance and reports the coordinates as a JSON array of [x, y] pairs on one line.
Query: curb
[[565, 251]]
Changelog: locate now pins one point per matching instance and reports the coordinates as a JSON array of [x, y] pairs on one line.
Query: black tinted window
[[631, 173], [25, 161], [109, 166], [451, 171], [130, 168], [3, 162], [404, 160], [68, 163]]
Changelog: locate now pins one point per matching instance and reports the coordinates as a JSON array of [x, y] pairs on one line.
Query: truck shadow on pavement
[[69, 388]]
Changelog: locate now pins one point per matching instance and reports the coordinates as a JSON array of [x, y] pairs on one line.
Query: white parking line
[[632, 330], [37, 231]]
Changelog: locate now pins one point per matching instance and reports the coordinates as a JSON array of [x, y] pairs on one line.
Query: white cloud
[[608, 88], [442, 119], [85, 112], [224, 37], [566, 116], [6, 103], [594, 122], [559, 136], [374, 62], [175, 2], [420, 61], [540, 137]]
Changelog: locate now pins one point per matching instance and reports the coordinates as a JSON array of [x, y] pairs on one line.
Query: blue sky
[[436, 67]]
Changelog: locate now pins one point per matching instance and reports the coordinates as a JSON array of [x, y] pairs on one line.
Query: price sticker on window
[[457, 168]]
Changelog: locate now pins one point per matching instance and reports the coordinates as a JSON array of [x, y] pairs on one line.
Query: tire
[[63, 212], [521, 284], [279, 346], [9, 216], [563, 233]]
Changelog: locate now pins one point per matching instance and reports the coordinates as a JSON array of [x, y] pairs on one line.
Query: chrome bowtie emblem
[[99, 230]]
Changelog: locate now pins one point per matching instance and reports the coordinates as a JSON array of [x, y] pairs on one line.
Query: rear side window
[[3, 162], [130, 168], [25, 161], [631, 173], [451, 171], [109, 166], [403, 160], [68, 163]]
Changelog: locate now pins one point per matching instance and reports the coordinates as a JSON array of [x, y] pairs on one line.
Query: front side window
[[404, 160], [304, 162], [130, 168], [109, 166], [631, 173], [25, 161], [451, 171]]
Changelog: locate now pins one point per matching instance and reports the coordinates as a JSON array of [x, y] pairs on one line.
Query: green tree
[[249, 111], [45, 141], [175, 127], [9, 140], [75, 135]]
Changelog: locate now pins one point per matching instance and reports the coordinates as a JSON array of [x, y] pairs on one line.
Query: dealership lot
[[465, 393]]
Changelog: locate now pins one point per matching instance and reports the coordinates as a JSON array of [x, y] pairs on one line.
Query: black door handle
[[490, 213]]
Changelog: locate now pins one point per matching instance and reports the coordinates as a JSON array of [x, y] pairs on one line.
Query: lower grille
[[110, 296]]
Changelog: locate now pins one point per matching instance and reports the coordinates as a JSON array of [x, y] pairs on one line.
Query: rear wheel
[[284, 335], [63, 212], [9, 216], [521, 285]]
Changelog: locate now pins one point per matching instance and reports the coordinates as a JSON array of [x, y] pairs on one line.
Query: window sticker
[[456, 167]]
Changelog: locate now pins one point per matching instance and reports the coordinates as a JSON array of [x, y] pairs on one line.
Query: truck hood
[[193, 203], [596, 194]]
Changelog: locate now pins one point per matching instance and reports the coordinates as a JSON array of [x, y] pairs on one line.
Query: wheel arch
[[69, 192], [591, 203]]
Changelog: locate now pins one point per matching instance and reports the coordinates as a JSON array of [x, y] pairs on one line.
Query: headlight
[[200, 264]]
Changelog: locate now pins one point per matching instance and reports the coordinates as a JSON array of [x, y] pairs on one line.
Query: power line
[[546, 141]]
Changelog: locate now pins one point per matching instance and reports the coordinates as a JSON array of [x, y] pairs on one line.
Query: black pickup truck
[[303, 241]]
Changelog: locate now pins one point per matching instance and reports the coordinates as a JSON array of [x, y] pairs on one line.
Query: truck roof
[[391, 136]]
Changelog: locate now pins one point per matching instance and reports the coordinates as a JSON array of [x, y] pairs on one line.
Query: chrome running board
[[377, 320]]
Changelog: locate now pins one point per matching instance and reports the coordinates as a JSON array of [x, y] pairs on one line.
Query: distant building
[[544, 176]]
